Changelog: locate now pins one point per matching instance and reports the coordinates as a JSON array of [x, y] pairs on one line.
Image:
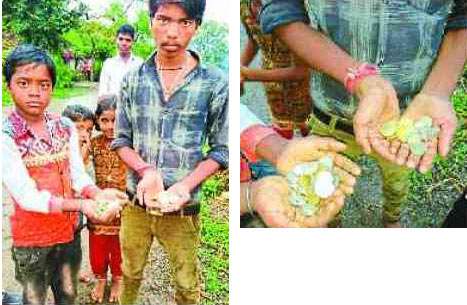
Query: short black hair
[[25, 54], [78, 113], [127, 29], [105, 102], [193, 8]]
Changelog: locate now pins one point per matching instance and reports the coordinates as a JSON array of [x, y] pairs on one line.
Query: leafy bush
[[65, 74]]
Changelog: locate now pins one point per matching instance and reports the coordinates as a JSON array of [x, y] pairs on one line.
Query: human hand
[[377, 104], [85, 145], [175, 198], [89, 208], [148, 187], [270, 199], [442, 113], [112, 211], [312, 148], [111, 194]]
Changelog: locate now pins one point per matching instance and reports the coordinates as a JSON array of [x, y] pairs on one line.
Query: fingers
[[294, 156], [413, 161], [362, 136], [402, 154], [332, 207], [346, 164], [394, 148], [447, 130], [361, 123], [347, 180], [381, 145], [426, 161], [139, 193], [324, 143]]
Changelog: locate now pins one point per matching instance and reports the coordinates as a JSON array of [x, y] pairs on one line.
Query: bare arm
[[203, 171], [449, 64], [131, 158], [325, 56], [274, 75], [248, 53]]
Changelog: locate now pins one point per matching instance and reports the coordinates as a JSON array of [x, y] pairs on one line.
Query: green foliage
[[214, 251], [91, 39], [211, 42], [64, 73], [144, 44], [6, 97], [41, 22]]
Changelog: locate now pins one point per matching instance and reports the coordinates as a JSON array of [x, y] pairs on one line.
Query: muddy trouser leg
[[135, 240], [31, 272], [63, 265], [180, 237], [395, 189]]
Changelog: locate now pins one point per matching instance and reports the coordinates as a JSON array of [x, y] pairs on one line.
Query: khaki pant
[[179, 236], [395, 177]]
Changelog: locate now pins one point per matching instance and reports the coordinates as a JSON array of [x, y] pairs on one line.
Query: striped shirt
[[402, 37]]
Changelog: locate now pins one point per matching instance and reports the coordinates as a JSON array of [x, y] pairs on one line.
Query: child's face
[[106, 123], [84, 129], [31, 90]]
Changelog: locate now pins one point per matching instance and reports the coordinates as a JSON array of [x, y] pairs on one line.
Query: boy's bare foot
[[115, 289], [97, 293]]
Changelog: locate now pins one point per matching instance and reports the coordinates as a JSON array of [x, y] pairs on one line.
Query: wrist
[[244, 72], [434, 94], [90, 192], [356, 75], [142, 170]]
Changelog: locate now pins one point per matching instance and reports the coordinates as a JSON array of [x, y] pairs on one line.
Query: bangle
[[355, 74], [248, 198]]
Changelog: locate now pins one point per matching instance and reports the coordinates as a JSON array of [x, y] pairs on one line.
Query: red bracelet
[[354, 75]]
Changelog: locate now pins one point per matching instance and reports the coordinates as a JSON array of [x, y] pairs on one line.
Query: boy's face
[[84, 128], [106, 123], [31, 90], [172, 29], [124, 43]]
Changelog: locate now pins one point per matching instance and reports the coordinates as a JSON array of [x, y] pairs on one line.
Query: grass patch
[[214, 250]]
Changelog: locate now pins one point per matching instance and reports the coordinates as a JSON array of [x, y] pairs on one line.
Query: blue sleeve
[[458, 17], [123, 125], [276, 13], [218, 125]]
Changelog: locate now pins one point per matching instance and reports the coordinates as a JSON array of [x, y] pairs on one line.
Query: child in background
[[110, 171], [84, 123], [83, 118], [285, 77]]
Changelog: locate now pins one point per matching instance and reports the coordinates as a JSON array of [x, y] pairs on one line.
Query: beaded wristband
[[355, 74]]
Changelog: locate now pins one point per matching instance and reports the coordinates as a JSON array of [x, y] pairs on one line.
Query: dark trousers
[[57, 266], [457, 218]]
